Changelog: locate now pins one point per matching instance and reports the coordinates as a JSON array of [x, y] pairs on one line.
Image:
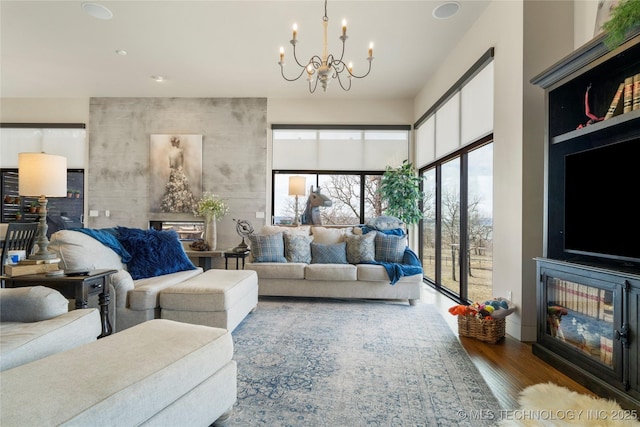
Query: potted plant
[[400, 189], [624, 17], [69, 194], [212, 209], [33, 207], [76, 194]]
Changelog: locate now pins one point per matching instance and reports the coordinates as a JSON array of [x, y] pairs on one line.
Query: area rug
[[552, 405], [316, 362]]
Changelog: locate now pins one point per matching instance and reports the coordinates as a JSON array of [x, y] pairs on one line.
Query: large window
[[454, 152], [345, 163]]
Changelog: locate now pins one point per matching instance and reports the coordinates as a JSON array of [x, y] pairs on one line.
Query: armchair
[[35, 323]]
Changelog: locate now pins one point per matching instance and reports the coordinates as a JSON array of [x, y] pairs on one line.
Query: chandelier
[[322, 68]]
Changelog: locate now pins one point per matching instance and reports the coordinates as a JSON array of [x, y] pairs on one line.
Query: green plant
[[400, 189], [210, 205], [624, 17]]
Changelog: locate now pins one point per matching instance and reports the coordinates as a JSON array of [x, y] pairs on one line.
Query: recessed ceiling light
[[158, 78], [97, 10], [446, 10], [121, 52]]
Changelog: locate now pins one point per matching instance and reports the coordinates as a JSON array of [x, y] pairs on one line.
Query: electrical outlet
[[259, 214], [509, 296], [107, 213], [93, 213]]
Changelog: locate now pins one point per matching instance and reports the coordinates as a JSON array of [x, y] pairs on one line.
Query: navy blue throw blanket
[[410, 265], [107, 236]]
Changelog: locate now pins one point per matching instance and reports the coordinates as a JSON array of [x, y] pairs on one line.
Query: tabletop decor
[[212, 208]]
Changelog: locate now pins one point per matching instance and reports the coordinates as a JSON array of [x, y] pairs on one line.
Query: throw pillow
[[268, 248], [385, 223], [329, 236], [301, 230], [297, 248], [361, 248], [328, 254], [153, 252], [390, 248]]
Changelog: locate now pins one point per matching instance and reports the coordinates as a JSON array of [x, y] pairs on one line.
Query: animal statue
[[315, 201]]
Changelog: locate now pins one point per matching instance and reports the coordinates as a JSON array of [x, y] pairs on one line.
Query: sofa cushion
[[328, 236], [328, 254], [331, 272], [361, 248], [390, 248], [145, 296], [78, 251], [302, 230], [31, 304], [372, 273], [153, 252], [278, 270], [269, 248], [297, 248]]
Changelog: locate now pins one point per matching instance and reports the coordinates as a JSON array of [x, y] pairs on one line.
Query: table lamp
[[297, 186], [42, 175]]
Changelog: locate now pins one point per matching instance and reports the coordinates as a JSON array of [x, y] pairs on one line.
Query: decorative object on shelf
[[199, 245], [315, 201], [43, 175], [244, 229], [400, 189], [587, 111], [212, 209], [33, 207], [327, 65], [297, 186], [624, 16]]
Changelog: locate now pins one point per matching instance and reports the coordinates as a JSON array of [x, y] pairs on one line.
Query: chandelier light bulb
[[327, 65]]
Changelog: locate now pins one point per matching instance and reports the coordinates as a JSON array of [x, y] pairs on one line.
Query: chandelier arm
[[346, 89], [293, 79], [363, 75], [312, 90], [295, 57]]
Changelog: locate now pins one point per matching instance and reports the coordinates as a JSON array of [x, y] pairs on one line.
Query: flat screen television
[[602, 192]]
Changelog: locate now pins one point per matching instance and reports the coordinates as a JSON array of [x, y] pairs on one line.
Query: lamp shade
[[42, 174], [297, 185]]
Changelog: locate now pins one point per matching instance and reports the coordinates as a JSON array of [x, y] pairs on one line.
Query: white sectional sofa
[[132, 301], [302, 271]]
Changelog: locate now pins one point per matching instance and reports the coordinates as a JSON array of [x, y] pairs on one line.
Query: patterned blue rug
[[314, 362]]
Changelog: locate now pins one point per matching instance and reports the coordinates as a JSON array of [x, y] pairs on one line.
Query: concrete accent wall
[[234, 140]]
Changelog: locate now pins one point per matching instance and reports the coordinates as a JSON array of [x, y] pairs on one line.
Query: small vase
[[210, 232]]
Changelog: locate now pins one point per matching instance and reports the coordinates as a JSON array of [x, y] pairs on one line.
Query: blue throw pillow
[[390, 248], [329, 254], [268, 248], [153, 253]]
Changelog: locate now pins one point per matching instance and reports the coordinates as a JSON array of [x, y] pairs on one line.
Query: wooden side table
[[204, 257], [237, 256], [78, 287]]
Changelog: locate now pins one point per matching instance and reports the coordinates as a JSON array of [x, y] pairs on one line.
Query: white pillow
[[330, 236], [302, 230], [78, 251]]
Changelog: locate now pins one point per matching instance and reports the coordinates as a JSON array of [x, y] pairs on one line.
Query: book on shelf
[[628, 94], [615, 102], [23, 270], [636, 92]]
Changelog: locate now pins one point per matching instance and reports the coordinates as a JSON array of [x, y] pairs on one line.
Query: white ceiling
[[218, 48]]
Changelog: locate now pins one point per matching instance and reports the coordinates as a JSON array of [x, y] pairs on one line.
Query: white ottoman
[[218, 298]]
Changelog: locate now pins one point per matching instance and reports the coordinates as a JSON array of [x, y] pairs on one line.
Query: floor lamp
[[297, 186], [42, 175]]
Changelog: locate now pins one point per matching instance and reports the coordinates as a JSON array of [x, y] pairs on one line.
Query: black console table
[[78, 287]]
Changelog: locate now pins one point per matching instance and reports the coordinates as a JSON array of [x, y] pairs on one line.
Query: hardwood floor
[[509, 366]]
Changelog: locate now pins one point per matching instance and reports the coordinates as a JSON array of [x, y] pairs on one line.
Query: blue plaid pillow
[[328, 254], [390, 248], [267, 248]]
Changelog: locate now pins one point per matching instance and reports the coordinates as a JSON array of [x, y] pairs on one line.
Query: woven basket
[[490, 331]]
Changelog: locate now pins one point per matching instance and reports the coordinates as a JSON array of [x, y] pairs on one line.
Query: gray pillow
[[31, 304], [385, 223], [361, 248], [390, 248], [297, 248]]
